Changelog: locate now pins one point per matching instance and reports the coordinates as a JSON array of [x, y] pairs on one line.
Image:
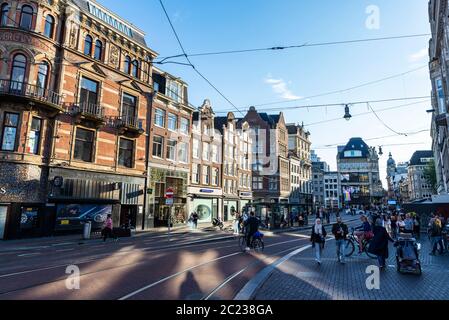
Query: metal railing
[[90, 109], [129, 122], [23, 89]]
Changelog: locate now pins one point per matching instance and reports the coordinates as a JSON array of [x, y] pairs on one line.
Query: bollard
[[87, 230]]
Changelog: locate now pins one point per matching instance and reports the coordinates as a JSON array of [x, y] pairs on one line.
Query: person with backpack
[[340, 231], [318, 239]]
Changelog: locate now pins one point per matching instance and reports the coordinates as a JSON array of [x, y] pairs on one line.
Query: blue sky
[[257, 78]]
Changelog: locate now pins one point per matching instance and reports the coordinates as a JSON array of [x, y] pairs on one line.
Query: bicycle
[[352, 242], [257, 243]]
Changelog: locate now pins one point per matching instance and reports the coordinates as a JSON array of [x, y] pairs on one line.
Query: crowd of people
[[380, 227]]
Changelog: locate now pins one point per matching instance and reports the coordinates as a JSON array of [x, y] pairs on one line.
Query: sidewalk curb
[[249, 291]]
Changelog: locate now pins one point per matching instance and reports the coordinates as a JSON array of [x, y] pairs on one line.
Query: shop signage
[[245, 194], [206, 191], [113, 22]]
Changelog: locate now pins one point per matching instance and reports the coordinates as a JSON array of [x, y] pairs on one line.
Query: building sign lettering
[[23, 38], [2, 190], [113, 22]]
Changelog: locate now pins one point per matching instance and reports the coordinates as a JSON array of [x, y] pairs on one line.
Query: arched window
[[18, 70], [26, 17], [88, 45], [49, 26], [135, 69], [127, 67], [4, 14], [42, 76], [98, 50]]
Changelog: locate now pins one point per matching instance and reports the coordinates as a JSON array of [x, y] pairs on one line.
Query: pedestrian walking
[[379, 244], [236, 223], [394, 227], [195, 220], [416, 226], [318, 239], [436, 238], [108, 229], [340, 231], [400, 224]]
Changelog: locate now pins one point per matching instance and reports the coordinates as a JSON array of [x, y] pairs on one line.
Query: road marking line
[[62, 244], [28, 255], [175, 275], [65, 250]]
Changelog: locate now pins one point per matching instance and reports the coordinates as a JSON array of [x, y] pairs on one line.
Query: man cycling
[[363, 232], [251, 227]]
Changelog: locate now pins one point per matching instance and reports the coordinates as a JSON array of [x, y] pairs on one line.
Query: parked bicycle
[[257, 243], [352, 242]]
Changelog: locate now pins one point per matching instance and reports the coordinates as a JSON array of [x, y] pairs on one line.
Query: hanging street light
[[347, 113], [381, 153]]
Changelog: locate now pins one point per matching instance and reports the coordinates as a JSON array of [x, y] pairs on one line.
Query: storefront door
[[3, 211]]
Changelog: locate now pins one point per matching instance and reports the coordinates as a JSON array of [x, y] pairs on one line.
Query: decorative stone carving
[[73, 37], [114, 56]]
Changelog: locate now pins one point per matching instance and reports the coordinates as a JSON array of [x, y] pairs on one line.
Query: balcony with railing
[[25, 91], [88, 111], [130, 124]]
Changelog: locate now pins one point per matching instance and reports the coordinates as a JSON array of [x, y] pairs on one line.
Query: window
[[185, 124], [135, 69], [129, 107], [441, 96], [172, 122], [89, 92], [35, 136], [84, 142], [127, 67], [257, 183], [196, 173], [215, 176], [206, 151], [26, 17], [49, 26], [9, 134], [126, 152], [88, 45], [98, 54], [171, 150], [206, 175], [196, 148], [19, 66], [174, 90], [42, 76], [183, 152], [4, 11], [215, 153], [273, 184], [159, 118], [158, 144]]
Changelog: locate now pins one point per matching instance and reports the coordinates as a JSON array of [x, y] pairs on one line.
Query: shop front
[[245, 203], [23, 211], [206, 203], [230, 207], [159, 212], [79, 196]]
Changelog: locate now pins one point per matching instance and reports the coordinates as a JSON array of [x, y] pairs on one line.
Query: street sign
[[169, 193], [169, 201]]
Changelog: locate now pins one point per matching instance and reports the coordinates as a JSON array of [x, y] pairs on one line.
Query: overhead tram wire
[[344, 90], [186, 56], [385, 145], [304, 45], [364, 113]]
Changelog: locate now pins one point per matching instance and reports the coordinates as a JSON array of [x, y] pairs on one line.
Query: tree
[[431, 175]]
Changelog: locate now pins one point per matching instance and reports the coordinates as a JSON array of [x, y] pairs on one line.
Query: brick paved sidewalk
[[301, 279]]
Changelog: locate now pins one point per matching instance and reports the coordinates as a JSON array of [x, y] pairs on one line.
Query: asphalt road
[[144, 268]]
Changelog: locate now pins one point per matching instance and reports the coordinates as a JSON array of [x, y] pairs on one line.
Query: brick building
[[169, 150], [270, 165], [76, 118]]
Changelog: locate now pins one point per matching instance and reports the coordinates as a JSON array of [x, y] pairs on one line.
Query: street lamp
[[381, 153], [347, 113]]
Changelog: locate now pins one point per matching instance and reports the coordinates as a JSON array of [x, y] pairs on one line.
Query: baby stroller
[[407, 255]]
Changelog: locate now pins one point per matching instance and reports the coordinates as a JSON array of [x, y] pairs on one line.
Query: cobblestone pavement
[[302, 279]]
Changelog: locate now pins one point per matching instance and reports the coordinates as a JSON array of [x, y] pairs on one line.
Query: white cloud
[[280, 87], [418, 56]]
